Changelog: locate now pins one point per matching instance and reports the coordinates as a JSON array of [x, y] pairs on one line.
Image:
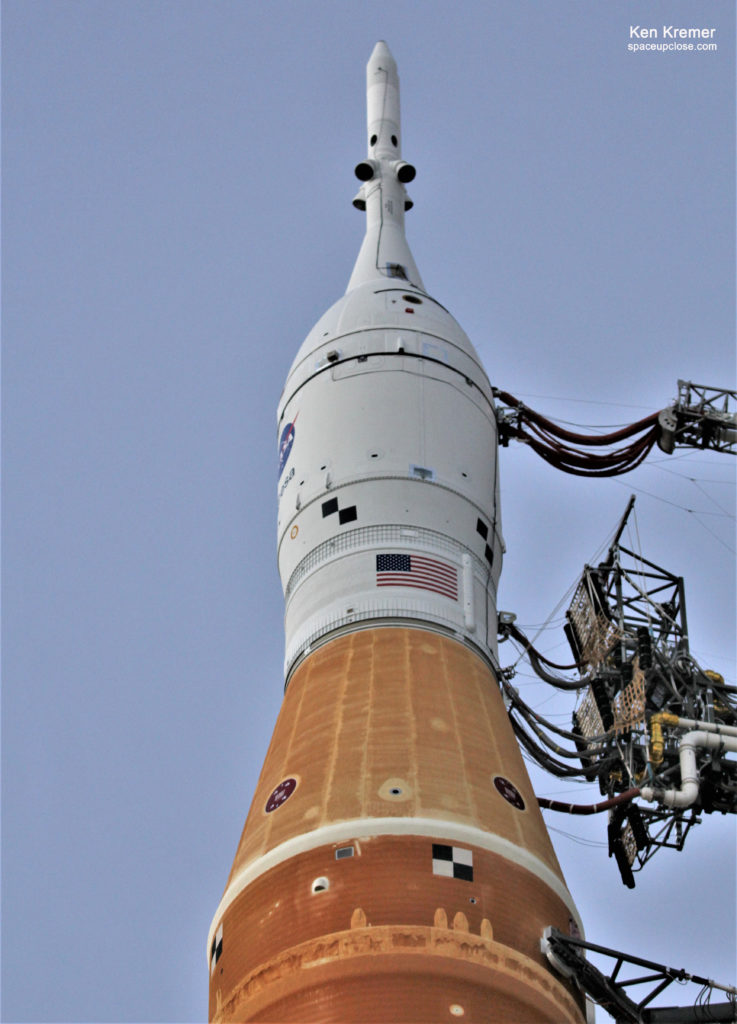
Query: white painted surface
[[386, 424]]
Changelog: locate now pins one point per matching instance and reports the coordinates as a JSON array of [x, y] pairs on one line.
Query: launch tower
[[394, 865]]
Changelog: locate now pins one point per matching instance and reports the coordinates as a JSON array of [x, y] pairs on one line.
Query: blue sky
[[178, 178]]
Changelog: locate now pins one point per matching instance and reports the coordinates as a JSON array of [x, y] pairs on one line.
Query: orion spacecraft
[[394, 865]]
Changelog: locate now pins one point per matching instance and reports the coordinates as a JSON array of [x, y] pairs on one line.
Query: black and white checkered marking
[[216, 950], [452, 862], [345, 515]]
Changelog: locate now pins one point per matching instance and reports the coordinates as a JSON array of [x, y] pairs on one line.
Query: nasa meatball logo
[[282, 792], [285, 444], [509, 791]]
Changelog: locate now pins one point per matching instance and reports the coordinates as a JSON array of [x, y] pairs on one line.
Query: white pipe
[[689, 790], [691, 723]]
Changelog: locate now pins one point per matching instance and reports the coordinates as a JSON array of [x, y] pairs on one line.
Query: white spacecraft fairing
[[388, 455], [394, 865]]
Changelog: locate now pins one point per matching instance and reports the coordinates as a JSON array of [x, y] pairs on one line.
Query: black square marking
[[329, 507], [489, 555], [347, 515], [482, 528]]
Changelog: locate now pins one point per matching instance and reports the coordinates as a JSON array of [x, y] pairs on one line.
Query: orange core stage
[[394, 865]]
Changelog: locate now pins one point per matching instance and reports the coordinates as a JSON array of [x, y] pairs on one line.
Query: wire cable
[[536, 659], [566, 449], [604, 805]]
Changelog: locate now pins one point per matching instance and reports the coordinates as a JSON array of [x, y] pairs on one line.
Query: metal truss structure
[[628, 632], [610, 991], [700, 418]]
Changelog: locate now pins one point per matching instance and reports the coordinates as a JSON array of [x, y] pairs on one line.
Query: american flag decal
[[417, 571]]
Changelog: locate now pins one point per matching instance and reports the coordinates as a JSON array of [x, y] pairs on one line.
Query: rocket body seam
[[387, 352], [358, 828]]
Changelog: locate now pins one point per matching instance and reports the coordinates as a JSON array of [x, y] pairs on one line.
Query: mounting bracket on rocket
[[567, 955], [701, 417]]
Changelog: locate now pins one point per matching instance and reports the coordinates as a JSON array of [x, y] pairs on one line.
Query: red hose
[[556, 805]]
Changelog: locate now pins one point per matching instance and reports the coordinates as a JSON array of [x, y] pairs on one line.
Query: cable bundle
[[566, 449]]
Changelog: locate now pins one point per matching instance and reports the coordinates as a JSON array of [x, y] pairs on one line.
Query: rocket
[[394, 865]]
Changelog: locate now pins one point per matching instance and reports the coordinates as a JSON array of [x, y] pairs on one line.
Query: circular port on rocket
[[364, 171]]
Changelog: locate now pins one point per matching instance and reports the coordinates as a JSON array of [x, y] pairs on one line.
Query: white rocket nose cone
[[382, 67], [381, 52]]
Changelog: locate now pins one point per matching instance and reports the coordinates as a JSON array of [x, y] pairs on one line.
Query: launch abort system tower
[[394, 865]]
